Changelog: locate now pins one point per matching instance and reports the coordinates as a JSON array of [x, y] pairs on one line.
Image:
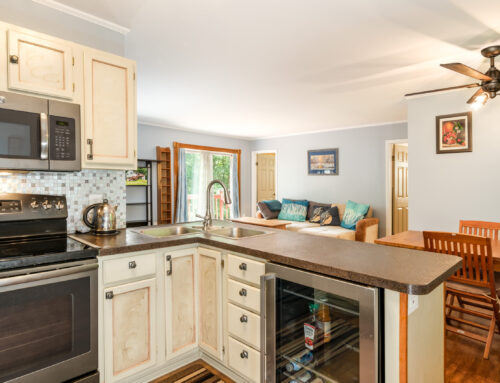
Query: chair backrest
[[476, 254], [480, 228]]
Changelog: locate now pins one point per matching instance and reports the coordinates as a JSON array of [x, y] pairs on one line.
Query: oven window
[[19, 134], [43, 325]]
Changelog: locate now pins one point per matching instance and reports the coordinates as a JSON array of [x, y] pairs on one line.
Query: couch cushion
[[330, 231], [297, 226], [293, 210], [341, 207], [330, 217], [353, 213], [266, 212], [312, 206], [315, 216]]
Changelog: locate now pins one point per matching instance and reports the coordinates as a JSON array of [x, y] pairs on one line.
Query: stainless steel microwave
[[38, 134]]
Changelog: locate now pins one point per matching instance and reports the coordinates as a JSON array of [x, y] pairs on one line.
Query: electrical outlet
[[95, 198], [412, 303]]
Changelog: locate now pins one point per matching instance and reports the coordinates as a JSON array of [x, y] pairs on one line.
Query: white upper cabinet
[[39, 65], [110, 131]]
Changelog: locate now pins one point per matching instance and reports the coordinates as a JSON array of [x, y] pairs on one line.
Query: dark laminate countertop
[[403, 270]]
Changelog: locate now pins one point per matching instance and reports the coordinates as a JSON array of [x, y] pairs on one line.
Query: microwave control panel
[[62, 139]]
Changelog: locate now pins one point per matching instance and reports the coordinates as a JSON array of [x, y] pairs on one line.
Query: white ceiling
[[264, 68]]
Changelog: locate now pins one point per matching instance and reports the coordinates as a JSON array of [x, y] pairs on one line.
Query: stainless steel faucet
[[207, 219]]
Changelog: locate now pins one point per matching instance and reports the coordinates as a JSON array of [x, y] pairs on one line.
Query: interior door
[[180, 286], [39, 65], [400, 189], [266, 188]]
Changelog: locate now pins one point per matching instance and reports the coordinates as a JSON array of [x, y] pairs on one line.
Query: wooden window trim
[[178, 145]]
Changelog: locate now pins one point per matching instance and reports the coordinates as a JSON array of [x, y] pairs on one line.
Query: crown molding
[[83, 15]]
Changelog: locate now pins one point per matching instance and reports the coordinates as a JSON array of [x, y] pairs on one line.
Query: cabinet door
[[39, 65], [210, 301], [110, 112], [129, 329], [180, 286]]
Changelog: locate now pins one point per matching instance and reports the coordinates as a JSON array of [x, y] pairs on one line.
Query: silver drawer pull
[[244, 355], [169, 260], [243, 292], [109, 295], [132, 265], [243, 319], [243, 266]]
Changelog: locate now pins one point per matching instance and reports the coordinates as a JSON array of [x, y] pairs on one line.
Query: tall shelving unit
[[164, 190], [148, 196]]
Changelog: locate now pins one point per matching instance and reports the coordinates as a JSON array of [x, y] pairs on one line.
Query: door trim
[[253, 205], [388, 182]]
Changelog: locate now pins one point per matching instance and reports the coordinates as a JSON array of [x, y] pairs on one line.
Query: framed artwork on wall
[[454, 133], [323, 162]]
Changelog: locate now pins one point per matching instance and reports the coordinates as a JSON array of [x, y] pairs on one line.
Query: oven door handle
[[44, 136], [19, 279]]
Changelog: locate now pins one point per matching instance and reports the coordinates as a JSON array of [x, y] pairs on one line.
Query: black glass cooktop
[[41, 251]]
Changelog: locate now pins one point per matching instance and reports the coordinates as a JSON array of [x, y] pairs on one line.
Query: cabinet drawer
[[245, 269], [244, 325], [128, 267], [244, 295], [244, 360]]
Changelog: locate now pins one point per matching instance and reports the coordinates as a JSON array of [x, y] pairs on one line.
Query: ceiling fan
[[490, 81]]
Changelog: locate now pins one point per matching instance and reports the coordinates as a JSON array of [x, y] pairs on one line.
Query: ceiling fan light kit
[[490, 81]]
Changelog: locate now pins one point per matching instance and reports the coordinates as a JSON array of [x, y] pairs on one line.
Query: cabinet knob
[[109, 295], [243, 266], [243, 292], [14, 59], [243, 319], [244, 355], [132, 265]]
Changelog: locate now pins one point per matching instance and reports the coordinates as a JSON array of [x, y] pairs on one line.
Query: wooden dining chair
[[472, 288], [480, 228]]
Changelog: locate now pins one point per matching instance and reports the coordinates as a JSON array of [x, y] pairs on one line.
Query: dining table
[[414, 239]]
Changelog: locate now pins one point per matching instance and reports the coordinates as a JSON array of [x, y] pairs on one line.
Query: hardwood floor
[[196, 372]]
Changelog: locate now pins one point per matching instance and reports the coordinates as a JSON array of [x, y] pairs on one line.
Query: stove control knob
[[59, 205], [34, 204], [46, 205]]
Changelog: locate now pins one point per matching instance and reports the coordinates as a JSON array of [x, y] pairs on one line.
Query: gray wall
[[361, 166], [149, 137], [444, 188], [28, 14]]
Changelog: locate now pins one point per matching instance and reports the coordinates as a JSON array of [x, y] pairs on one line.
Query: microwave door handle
[[268, 327], [44, 136]]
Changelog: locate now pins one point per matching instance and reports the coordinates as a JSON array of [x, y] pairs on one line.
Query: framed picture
[[137, 177], [454, 133], [323, 162]]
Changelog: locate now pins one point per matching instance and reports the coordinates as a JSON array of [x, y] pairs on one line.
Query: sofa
[[366, 229]]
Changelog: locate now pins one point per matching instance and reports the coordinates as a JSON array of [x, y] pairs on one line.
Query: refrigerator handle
[[268, 328]]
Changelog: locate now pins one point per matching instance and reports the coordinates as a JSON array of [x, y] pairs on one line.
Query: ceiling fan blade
[[467, 71], [475, 95], [443, 89]]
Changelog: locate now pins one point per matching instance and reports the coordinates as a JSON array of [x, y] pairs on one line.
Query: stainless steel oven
[[48, 323], [316, 328], [38, 134]]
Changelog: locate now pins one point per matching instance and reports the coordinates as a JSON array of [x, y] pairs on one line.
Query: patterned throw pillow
[[293, 210], [313, 205], [266, 212], [330, 217], [353, 213], [315, 213]]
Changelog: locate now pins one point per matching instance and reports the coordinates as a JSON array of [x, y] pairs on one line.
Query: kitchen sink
[[237, 232], [210, 228], [169, 231]]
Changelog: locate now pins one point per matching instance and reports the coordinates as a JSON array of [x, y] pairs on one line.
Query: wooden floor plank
[[195, 372]]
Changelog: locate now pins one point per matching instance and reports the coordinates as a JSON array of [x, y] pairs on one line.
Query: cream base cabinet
[[180, 302], [129, 329], [210, 301], [110, 118], [39, 64]]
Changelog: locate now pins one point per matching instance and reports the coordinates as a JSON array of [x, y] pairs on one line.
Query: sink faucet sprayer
[[207, 219]]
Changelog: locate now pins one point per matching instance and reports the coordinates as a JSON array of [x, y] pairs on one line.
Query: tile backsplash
[[77, 187]]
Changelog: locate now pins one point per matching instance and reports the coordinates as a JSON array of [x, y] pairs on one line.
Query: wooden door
[[129, 329], [110, 112], [400, 189], [180, 286], [266, 188], [210, 301], [39, 65]]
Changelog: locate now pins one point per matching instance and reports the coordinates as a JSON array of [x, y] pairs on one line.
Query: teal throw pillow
[[273, 205], [293, 210], [353, 213]]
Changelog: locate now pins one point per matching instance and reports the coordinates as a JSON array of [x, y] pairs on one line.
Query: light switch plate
[[412, 303]]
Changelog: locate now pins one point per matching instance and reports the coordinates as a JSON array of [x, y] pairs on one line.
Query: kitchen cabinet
[[210, 301], [39, 65], [129, 329], [110, 127], [180, 297]]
